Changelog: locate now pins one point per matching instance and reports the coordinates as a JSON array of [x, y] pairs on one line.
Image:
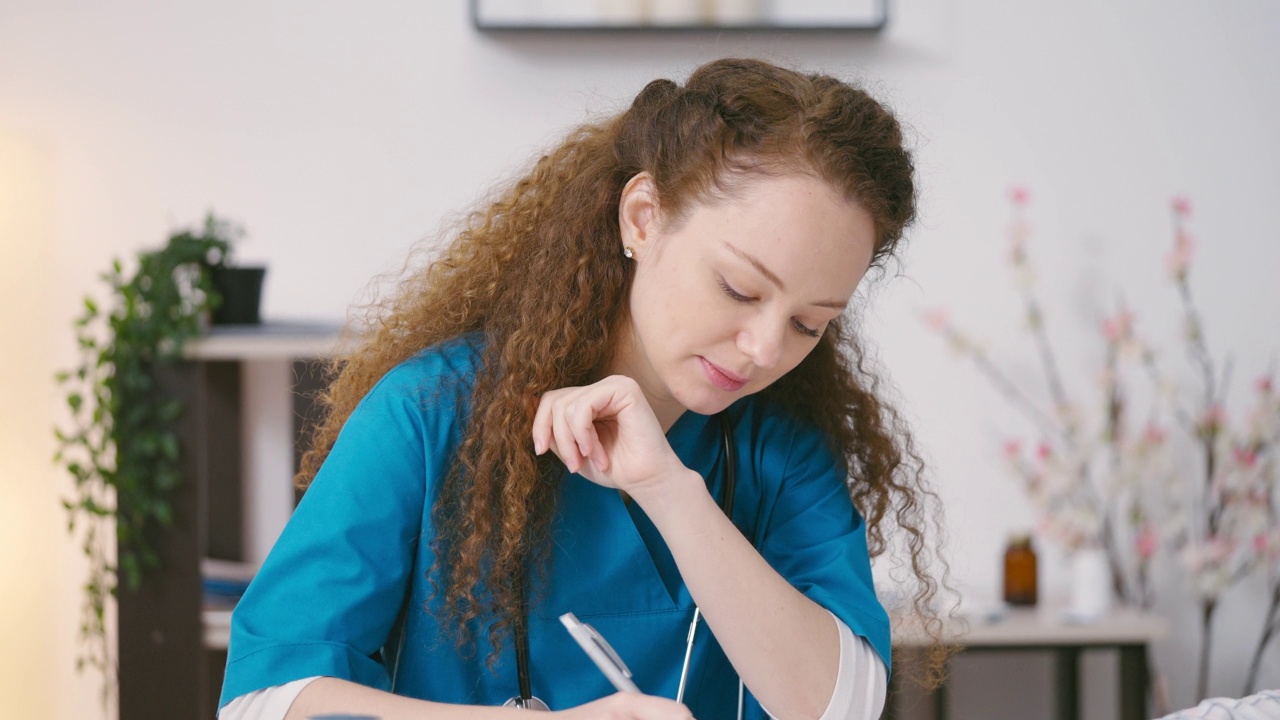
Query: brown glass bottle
[[1020, 571]]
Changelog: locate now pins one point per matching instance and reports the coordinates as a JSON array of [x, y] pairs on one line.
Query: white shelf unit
[[247, 403]]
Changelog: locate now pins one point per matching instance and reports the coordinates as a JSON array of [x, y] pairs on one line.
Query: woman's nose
[[761, 340]]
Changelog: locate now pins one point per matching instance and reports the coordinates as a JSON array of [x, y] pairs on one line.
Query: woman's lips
[[721, 378]]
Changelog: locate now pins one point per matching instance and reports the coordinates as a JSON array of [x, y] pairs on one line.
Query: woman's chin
[[709, 400]]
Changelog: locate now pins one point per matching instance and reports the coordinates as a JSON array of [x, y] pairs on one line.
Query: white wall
[[29, 516], [341, 133]]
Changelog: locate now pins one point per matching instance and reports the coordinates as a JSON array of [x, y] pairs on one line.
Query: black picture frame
[[638, 16]]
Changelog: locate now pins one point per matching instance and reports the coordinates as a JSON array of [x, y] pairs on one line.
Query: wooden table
[[1127, 631]]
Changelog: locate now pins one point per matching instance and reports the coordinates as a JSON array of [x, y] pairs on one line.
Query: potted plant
[[120, 446], [240, 289]]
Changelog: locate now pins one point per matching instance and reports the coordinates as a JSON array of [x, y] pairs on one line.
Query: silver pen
[[688, 654], [600, 652]]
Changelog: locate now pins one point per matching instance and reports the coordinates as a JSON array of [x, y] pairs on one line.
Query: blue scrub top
[[347, 580]]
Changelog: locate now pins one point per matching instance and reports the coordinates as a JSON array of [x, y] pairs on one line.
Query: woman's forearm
[[783, 644], [329, 695]]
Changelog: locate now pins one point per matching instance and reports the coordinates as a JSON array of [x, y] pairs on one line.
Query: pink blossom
[[1210, 553], [1044, 451], [1012, 449], [1193, 556], [1147, 543], [1220, 548], [1213, 419], [1181, 206], [1245, 456], [1020, 195], [1179, 259], [1118, 327], [937, 319], [1155, 434], [1264, 385], [1260, 543]]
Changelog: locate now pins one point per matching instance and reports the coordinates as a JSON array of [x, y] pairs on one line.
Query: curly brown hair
[[537, 271]]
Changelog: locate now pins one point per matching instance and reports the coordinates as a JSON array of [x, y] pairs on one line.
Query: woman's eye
[[805, 330], [739, 297], [734, 294]]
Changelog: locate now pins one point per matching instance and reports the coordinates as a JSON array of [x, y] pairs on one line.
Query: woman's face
[[736, 294]]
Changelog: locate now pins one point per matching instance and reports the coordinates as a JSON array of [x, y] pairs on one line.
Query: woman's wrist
[[678, 491]]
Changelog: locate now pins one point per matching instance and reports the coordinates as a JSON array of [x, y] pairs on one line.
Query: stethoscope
[[526, 698]]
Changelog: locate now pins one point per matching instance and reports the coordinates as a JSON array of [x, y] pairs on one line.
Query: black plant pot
[[241, 290]]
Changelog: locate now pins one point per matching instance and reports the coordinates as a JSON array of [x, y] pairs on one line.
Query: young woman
[[629, 390]]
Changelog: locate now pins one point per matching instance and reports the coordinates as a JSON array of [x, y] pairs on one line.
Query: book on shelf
[[224, 582]]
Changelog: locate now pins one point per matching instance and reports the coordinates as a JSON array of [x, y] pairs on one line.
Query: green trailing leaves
[[123, 453]]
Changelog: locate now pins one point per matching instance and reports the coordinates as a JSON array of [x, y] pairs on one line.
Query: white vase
[[1090, 584], [678, 12], [738, 12], [622, 12]]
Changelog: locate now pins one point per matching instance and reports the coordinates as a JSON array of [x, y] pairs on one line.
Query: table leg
[[1133, 682], [1067, 687], [891, 694], [940, 701], [937, 696]]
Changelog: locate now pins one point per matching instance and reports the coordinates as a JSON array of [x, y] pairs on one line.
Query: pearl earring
[[628, 252]]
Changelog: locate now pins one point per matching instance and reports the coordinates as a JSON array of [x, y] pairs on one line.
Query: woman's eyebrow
[[755, 262], [768, 274]]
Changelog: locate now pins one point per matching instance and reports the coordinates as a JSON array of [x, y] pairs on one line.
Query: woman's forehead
[[794, 225]]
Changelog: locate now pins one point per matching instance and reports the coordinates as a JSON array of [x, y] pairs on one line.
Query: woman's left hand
[[607, 433]]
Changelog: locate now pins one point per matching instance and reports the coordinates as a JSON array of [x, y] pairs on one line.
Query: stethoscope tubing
[[526, 698]]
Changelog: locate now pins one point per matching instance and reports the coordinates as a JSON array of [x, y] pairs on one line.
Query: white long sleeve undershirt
[[861, 685]]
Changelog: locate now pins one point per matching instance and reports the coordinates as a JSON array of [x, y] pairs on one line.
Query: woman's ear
[[638, 214]]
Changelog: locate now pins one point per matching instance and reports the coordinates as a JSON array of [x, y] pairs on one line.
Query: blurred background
[[341, 134]]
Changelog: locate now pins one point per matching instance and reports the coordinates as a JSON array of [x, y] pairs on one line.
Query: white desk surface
[[1020, 628], [1043, 626], [268, 341]]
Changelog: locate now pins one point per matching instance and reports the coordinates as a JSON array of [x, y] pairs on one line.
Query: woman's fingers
[[549, 431], [629, 706], [542, 425], [648, 707], [564, 443], [581, 414], [605, 432], [565, 422]]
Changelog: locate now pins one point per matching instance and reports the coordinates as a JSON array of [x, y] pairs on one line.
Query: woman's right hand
[[628, 706]]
